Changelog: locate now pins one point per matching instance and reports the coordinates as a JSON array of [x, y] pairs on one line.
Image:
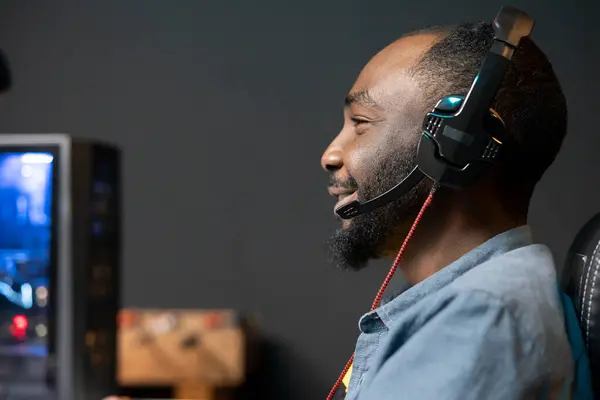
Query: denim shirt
[[488, 326]]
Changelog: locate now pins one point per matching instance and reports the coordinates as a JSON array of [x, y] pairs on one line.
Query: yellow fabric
[[346, 380]]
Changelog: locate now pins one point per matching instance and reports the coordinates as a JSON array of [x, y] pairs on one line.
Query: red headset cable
[[386, 282]]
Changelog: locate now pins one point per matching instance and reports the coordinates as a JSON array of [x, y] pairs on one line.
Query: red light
[[20, 322], [19, 326]]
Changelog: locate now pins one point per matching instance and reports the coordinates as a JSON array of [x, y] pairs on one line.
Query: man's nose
[[333, 159]]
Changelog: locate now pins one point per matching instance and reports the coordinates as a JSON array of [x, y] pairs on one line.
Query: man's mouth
[[344, 195], [345, 198]]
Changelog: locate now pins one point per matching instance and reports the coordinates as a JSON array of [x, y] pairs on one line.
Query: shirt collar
[[499, 244]]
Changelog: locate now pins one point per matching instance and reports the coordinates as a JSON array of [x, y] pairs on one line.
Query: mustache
[[349, 184]]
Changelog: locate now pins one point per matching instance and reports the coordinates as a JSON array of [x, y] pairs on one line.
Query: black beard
[[364, 237]]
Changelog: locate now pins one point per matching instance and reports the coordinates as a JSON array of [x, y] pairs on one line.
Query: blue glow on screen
[[25, 230]]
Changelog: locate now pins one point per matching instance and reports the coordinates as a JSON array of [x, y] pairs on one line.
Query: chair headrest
[[581, 281]]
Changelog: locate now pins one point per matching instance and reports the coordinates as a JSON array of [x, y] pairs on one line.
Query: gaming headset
[[462, 136]]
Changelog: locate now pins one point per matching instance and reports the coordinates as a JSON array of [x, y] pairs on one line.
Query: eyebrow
[[362, 98]]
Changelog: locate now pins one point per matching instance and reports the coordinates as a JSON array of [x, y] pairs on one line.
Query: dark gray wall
[[223, 109]]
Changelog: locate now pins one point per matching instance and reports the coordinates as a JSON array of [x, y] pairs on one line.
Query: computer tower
[[60, 254]]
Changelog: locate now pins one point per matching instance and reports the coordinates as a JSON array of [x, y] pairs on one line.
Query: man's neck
[[444, 236]]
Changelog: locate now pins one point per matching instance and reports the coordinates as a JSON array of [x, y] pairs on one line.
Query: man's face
[[375, 149]]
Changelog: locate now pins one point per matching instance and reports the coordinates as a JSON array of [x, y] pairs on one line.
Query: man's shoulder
[[519, 285], [523, 278], [501, 322], [523, 282]]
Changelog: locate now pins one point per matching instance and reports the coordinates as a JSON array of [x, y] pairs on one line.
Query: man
[[482, 318]]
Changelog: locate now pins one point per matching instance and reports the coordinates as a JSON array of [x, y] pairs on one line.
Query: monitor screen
[[25, 251]]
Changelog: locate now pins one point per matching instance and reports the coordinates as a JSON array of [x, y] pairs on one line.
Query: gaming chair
[[581, 282]]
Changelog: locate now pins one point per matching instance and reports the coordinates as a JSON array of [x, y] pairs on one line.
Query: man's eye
[[358, 121]]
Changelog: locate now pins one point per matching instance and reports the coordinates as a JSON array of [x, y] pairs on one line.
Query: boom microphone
[[355, 207]]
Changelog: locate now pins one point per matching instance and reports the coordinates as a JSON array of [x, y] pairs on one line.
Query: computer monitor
[[59, 267], [27, 266], [25, 250]]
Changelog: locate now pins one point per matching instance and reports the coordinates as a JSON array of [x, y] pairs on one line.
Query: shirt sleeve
[[471, 347]]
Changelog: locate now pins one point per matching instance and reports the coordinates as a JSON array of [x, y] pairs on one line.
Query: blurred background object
[[188, 351], [60, 251], [5, 74]]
